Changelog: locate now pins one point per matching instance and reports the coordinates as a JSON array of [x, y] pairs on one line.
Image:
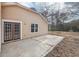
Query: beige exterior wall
[[27, 18]]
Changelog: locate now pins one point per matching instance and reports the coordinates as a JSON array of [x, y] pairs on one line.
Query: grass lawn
[[69, 47]]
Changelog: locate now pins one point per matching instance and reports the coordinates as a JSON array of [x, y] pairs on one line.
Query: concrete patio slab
[[49, 39], [34, 47]]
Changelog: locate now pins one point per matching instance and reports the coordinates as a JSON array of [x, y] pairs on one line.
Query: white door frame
[[7, 20]]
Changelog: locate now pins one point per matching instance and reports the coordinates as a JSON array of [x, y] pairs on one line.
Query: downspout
[[0, 28], [0, 34]]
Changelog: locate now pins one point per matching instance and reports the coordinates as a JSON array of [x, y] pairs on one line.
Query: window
[[34, 27], [7, 27], [17, 28]]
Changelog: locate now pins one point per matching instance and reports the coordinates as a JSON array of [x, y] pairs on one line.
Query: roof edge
[[24, 7]]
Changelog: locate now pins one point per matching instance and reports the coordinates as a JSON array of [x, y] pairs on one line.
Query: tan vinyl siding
[[27, 18]]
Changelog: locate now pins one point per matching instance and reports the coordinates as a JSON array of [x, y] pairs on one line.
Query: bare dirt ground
[[69, 47]]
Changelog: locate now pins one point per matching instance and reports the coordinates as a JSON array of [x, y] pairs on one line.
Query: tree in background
[[58, 14]]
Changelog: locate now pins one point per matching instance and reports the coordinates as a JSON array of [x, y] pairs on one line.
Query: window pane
[[32, 27], [36, 27], [17, 27]]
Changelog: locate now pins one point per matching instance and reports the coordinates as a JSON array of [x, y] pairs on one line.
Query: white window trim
[[7, 20]]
